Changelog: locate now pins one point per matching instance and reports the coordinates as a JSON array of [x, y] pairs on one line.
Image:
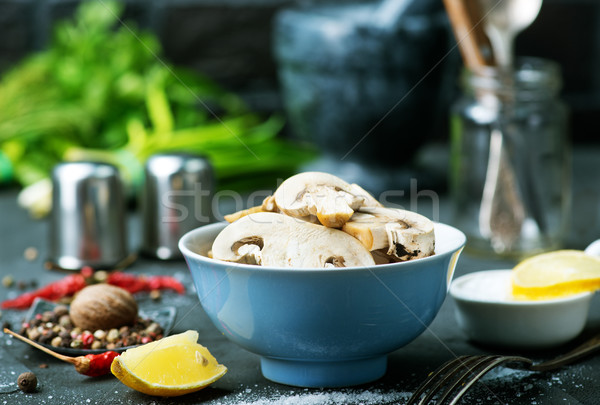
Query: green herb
[[102, 91]]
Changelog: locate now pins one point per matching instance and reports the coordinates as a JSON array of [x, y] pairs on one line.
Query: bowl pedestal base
[[323, 374]]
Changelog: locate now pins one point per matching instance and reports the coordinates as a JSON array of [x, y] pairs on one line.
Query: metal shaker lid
[[176, 198], [88, 219]]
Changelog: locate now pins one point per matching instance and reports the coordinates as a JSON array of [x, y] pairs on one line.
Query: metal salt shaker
[[88, 221], [176, 198]]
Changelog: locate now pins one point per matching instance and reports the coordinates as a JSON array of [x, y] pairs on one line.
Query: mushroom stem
[[400, 234]]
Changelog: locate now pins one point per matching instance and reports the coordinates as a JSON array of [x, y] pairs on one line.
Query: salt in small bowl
[[488, 314]]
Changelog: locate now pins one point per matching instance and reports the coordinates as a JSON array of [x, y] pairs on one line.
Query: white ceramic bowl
[[487, 313]]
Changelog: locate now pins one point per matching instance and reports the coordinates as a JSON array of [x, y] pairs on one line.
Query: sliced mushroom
[[329, 198], [402, 235], [381, 257], [239, 214], [268, 205], [370, 201], [271, 239]]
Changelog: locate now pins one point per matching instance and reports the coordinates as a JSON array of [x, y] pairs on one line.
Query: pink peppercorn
[[87, 339]]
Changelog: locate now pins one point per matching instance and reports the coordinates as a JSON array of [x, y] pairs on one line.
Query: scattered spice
[[100, 276], [8, 281], [30, 254], [27, 381], [43, 365]]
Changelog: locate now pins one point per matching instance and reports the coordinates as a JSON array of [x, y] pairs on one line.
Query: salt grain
[[325, 398]]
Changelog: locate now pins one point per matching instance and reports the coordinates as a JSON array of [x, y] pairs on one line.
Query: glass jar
[[510, 159]]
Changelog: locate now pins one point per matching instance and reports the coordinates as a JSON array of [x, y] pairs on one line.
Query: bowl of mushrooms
[[322, 281]]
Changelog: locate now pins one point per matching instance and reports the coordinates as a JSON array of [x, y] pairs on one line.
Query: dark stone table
[[244, 384]]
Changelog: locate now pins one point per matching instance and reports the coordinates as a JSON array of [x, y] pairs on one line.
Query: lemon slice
[[555, 274], [173, 366]]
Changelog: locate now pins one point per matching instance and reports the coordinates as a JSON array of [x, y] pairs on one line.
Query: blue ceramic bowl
[[321, 327]]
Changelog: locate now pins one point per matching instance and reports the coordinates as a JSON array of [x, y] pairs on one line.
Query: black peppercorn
[[27, 381]]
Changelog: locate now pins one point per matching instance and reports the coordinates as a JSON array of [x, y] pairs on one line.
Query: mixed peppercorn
[[55, 328]]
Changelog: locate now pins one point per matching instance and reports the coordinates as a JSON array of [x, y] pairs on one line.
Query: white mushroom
[[398, 234], [268, 205], [271, 239], [369, 201], [329, 198]]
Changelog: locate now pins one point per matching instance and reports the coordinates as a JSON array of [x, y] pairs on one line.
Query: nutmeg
[[103, 306]]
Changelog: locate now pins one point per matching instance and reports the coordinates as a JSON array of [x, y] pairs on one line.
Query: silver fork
[[451, 380]]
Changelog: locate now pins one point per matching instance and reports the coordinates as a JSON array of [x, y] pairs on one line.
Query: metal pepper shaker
[[88, 224], [176, 198]]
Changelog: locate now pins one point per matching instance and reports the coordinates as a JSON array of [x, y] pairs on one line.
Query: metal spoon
[[504, 20], [506, 203]]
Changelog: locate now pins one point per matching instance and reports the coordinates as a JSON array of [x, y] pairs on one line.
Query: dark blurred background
[[230, 41]]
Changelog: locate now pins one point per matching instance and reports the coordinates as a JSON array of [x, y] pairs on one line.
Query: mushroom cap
[[329, 198], [276, 240]]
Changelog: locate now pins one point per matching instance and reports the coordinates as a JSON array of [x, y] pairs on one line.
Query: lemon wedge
[[555, 274], [173, 366]]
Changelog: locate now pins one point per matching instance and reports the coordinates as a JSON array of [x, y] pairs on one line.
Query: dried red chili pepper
[[72, 283], [92, 365], [64, 287], [134, 284]]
